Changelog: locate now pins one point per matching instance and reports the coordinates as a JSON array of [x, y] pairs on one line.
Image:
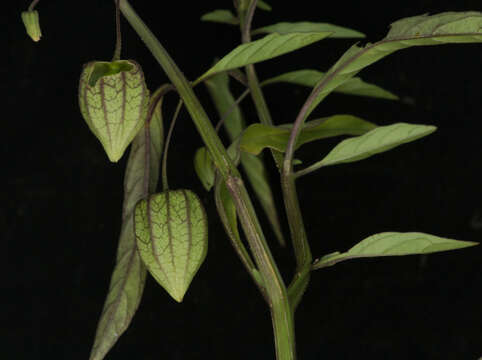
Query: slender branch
[[237, 243], [247, 21], [165, 184], [32, 5], [118, 41], [231, 109], [253, 82], [298, 236]]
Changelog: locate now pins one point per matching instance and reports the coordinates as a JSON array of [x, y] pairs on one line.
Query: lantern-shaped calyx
[[113, 99]]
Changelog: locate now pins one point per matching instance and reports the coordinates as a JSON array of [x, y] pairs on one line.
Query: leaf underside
[[353, 86], [221, 16], [218, 87], [380, 139], [128, 278], [443, 28], [393, 244], [266, 48], [305, 26], [258, 136]]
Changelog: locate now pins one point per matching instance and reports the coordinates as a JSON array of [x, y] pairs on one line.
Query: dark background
[[61, 198]]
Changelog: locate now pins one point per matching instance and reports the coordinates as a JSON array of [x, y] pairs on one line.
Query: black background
[[61, 198]]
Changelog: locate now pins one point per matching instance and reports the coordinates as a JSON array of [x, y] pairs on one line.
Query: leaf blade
[[258, 136], [204, 167], [306, 26], [380, 139], [128, 278], [263, 5], [394, 244], [421, 30], [221, 16], [268, 47], [353, 86], [218, 87]]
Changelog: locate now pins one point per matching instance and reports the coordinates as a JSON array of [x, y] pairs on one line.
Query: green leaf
[[221, 16], [226, 210], [102, 68], [353, 86], [393, 244], [305, 26], [204, 164], [257, 136], [263, 5], [380, 139], [171, 231], [443, 28], [258, 178], [204, 167], [128, 278], [270, 46], [227, 214], [218, 87]]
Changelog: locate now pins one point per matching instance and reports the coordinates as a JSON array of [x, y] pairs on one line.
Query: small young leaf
[[270, 46], [443, 28], [227, 214], [353, 86], [305, 77], [393, 244], [218, 87], [171, 232], [258, 136], [305, 26], [221, 16], [103, 68], [128, 278], [204, 167], [380, 139], [227, 211], [263, 5]]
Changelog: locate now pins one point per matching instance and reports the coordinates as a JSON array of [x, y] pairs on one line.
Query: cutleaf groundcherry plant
[[164, 233]]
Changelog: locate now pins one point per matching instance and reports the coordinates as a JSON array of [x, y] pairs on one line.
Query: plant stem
[[280, 307], [298, 236], [282, 316], [293, 211], [165, 183], [118, 40], [262, 109], [32, 5]]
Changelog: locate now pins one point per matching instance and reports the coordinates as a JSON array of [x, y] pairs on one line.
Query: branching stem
[[32, 5]]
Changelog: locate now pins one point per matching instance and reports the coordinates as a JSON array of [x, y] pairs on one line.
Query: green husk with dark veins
[[172, 238], [113, 99]]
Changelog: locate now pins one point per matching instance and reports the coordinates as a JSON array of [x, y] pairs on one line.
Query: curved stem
[[32, 5], [247, 20], [298, 235], [231, 109], [165, 185], [275, 287], [118, 41]]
